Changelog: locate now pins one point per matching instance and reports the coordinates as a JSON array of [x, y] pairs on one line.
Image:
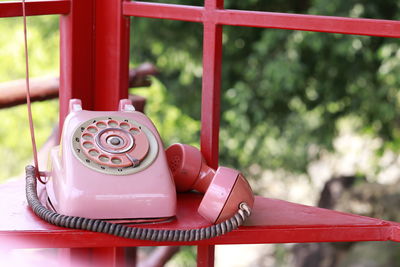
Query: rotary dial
[[114, 145]]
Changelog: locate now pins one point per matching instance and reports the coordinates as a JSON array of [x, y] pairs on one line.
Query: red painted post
[[130, 256], [74, 257], [76, 56], [205, 256], [93, 257], [108, 257], [211, 85], [112, 54], [210, 103]]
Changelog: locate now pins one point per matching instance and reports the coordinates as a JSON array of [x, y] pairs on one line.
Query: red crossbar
[[14, 9], [331, 24], [357, 26], [163, 11]]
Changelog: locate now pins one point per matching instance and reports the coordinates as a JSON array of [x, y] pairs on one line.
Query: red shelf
[[272, 221]]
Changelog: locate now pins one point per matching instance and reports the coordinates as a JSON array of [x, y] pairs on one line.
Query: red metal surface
[[163, 11], [96, 257], [211, 86], [94, 69], [205, 255], [77, 56], [359, 26], [332, 24], [108, 257], [272, 221], [14, 9], [76, 256], [112, 54], [210, 105]]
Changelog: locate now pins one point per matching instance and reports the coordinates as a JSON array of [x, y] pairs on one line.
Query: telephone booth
[[94, 43]]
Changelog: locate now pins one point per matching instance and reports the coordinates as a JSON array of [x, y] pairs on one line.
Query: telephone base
[[50, 206], [110, 165]]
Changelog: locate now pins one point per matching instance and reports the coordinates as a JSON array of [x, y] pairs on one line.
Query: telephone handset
[[112, 166]]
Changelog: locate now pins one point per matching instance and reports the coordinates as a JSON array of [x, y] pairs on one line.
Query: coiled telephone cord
[[101, 226]]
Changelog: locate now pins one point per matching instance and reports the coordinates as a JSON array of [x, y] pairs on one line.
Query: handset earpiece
[[225, 189]]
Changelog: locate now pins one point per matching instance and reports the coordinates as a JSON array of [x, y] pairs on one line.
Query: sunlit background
[[301, 112]]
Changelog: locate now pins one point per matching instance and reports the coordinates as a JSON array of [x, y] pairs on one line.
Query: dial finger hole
[[124, 125], [92, 129], [87, 136], [88, 145], [116, 160], [101, 124], [94, 152], [103, 158], [113, 123], [134, 131]]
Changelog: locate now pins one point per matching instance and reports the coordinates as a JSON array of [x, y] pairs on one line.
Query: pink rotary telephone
[[112, 166]]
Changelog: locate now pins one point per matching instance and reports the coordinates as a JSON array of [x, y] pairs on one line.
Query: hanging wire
[[28, 98]]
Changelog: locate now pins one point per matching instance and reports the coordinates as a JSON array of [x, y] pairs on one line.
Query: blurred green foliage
[[282, 91], [173, 125]]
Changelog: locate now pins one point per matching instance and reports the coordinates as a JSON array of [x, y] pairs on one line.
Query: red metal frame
[[77, 56], [94, 67], [14, 9], [275, 20], [112, 54]]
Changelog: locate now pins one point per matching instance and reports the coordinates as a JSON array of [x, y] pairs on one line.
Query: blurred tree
[[283, 91]]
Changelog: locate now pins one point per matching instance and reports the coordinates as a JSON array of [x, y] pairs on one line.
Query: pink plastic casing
[[184, 162], [224, 189], [224, 194], [188, 168], [77, 190]]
